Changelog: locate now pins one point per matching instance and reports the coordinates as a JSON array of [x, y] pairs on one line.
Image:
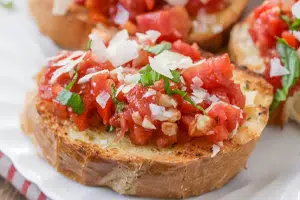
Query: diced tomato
[[173, 23], [99, 6], [187, 119], [236, 96], [135, 7], [290, 39], [214, 72], [220, 134], [163, 140], [210, 6], [137, 102], [150, 4], [227, 115], [142, 60], [101, 83], [140, 136], [186, 49], [266, 25]]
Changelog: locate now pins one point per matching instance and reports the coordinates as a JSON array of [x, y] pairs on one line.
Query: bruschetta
[[268, 42], [146, 118], [69, 22]]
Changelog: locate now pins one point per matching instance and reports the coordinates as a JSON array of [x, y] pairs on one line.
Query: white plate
[[273, 169]]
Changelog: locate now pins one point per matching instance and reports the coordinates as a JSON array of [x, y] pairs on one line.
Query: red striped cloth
[[28, 189]]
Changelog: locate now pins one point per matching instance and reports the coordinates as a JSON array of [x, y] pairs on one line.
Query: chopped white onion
[[70, 66], [147, 124], [149, 93], [296, 9], [250, 98], [276, 68], [87, 77], [151, 35], [197, 83], [177, 2], [119, 71], [215, 150], [102, 99], [119, 37], [158, 112], [60, 7], [214, 99]]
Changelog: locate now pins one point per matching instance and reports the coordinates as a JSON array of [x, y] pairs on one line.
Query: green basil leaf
[[291, 61], [110, 129], [296, 24], [176, 76], [8, 5], [157, 49], [119, 105], [72, 100], [145, 69], [70, 85], [287, 20], [89, 44]]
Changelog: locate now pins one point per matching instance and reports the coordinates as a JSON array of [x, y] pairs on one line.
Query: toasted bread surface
[[92, 158], [244, 53], [71, 31]]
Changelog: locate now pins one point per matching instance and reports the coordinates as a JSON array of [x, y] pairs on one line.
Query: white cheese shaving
[[296, 9], [60, 7], [127, 88], [119, 71], [147, 124], [70, 66], [168, 60], [250, 98], [119, 37], [98, 48], [159, 112], [215, 150], [214, 99], [151, 35], [177, 2], [132, 78], [120, 88], [197, 83], [276, 68], [68, 59], [102, 99], [235, 130], [87, 77], [199, 95], [149, 93]]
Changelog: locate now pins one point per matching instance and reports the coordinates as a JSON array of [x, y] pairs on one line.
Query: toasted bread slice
[[244, 53], [71, 31], [92, 158]]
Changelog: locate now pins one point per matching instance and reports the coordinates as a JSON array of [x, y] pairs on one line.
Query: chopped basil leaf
[[67, 98], [119, 105], [291, 61], [148, 76], [71, 99], [296, 24], [88, 46], [184, 94], [157, 49], [286, 19], [8, 5], [292, 25], [110, 129], [176, 76]]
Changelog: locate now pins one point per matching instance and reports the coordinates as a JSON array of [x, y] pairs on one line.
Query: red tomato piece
[[186, 49], [173, 23], [290, 39], [220, 134], [211, 6], [214, 72], [140, 136]]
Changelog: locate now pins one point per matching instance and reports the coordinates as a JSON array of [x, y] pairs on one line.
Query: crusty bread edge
[[71, 31], [135, 175]]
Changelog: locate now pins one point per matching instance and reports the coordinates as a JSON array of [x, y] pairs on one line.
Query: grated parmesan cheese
[[296, 9], [276, 68], [215, 150], [147, 124], [87, 77], [102, 99]]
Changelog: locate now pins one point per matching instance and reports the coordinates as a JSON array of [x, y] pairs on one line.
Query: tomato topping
[[186, 49], [172, 23], [210, 6], [290, 39]]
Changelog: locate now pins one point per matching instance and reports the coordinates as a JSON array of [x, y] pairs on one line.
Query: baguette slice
[[244, 53], [71, 31], [92, 158]]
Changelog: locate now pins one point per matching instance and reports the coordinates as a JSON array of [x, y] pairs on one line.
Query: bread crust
[[71, 31], [244, 53], [176, 172], [67, 31]]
